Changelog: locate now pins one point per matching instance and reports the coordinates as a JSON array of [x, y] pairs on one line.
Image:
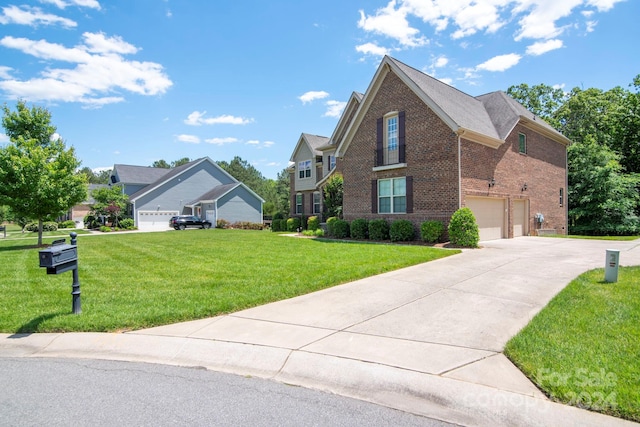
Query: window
[[392, 195], [316, 203], [304, 169], [332, 162], [522, 143], [391, 138], [561, 197], [299, 204]]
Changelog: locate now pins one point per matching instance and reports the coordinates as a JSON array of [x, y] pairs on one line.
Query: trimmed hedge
[[401, 230], [46, 226], [293, 224], [463, 229], [431, 231], [279, 225], [127, 224], [340, 229], [378, 229], [330, 221], [67, 224], [360, 229], [313, 223]]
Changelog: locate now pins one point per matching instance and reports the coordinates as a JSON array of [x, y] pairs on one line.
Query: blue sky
[[132, 82]]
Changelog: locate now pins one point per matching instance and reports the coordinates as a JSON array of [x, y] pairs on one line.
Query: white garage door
[[520, 223], [489, 213], [154, 220]]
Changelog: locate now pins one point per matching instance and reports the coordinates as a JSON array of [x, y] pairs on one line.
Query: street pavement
[[425, 339]]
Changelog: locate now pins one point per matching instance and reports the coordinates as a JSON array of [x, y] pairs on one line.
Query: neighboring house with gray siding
[[200, 188]]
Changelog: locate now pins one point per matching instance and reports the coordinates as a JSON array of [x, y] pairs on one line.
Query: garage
[[490, 216], [154, 220], [520, 223]]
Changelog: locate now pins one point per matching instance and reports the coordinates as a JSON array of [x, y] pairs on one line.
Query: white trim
[[389, 167]]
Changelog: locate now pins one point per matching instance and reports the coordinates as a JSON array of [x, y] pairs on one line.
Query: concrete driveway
[[425, 339]]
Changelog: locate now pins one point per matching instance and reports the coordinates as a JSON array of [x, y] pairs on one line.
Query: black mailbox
[[59, 258]]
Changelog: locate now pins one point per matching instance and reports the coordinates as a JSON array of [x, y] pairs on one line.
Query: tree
[[180, 162], [110, 202], [602, 200], [101, 177], [37, 172], [333, 195], [542, 100], [283, 192], [161, 164]]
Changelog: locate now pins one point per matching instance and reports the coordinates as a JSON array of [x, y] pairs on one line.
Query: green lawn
[[139, 280], [584, 347]]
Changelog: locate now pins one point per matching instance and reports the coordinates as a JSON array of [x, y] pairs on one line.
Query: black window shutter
[[374, 196], [409, 191], [379, 141], [401, 138]]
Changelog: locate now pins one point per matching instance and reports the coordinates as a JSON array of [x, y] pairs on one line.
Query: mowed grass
[[139, 280], [583, 349]]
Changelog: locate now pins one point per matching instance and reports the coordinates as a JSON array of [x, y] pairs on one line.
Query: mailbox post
[[60, 258]]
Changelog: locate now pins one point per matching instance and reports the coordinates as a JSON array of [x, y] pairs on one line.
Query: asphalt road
[[62, 392]]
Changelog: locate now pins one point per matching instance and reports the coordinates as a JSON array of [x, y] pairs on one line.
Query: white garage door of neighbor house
[[155, 220], [490, 215], [520, 223]]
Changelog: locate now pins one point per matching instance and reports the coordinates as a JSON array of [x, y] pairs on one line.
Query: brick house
[[413, 147]]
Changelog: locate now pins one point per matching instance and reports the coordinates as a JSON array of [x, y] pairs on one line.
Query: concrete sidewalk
[[425, 339]]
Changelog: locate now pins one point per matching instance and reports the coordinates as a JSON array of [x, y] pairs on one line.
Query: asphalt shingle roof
[[216, 193], [139, 174]]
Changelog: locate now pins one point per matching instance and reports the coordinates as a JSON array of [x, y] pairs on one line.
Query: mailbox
[[59, 258]]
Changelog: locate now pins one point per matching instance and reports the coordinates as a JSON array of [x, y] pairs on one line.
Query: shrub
[[378, 229], [279, 225], [91, 221], [293, 224], [246, 225], [313, 223], [431, 231], [340, 229], [319, 232], [46, 226], [330, 222], [127, 224], [67, 224], [105, 229], [463, 229], [402, 230], [278, 215], [360, 228], [222, 223], [308, 233]]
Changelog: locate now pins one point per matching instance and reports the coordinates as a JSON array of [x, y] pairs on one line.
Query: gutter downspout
[[459, 170]]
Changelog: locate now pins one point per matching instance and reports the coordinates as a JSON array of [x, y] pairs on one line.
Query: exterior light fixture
[[492, 182], [524, 187]]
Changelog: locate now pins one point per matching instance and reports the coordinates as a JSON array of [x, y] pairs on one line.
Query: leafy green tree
[[244, 172], [101, 177], [626, 134], [160, 164], [542, 100], [37, 171], [333, 190], [602, 200], [180, 162], [282, 197], [111, 202]]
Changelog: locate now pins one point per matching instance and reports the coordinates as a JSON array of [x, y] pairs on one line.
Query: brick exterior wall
[[431, 153], [432, 161], [542, 168]]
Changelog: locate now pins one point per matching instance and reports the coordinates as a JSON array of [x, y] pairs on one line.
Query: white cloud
[[391, 22], [334, 108], [93, 4], [591, 26], [540, 21], [253, 142], [372, 49], [5, 72], [3, 138], [197, 119], [32, 16], [101, 169], [189, 139], [312, 96], [221, 141], [447, 80], [268, 144], [260, 145], [100, 69], [500, 62], [538, 48], [441, 62], [603, 5]]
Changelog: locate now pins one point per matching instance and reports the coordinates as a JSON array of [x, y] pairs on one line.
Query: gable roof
[[314, 142], [172, 173], [128, 174], [485, 119], [220, 191]]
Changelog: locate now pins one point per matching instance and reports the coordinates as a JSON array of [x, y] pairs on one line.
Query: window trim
[[391, 152], [392, 197], [561, 197], [316, 206], [304, 169]]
